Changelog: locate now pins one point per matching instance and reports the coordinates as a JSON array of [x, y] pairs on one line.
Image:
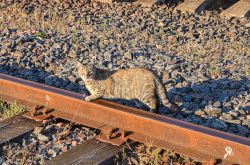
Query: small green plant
[[41, 34], [214, 71], [124, 155], [121, 158], [9, 110], [116, 159], [155, 156]]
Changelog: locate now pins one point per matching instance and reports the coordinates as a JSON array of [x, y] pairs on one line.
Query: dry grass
[[218, 55], [16, 18], [149, 155], [9, 110], [21, 156]]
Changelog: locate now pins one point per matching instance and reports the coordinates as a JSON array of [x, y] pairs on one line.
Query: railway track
[[91, 151], [119, 123], [18, 130], [18, 133]]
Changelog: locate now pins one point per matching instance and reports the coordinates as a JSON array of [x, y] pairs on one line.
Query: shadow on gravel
[[223, 104]]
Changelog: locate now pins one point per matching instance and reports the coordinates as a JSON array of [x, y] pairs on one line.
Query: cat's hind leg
[[152, 103]]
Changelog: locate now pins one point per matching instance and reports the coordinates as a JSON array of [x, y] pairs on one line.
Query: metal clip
[[113, 136], [38, 113]]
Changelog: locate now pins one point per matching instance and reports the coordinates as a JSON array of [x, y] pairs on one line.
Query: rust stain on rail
[[119, 123]]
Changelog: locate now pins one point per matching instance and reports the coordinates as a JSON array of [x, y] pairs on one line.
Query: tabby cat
[[134, 83]]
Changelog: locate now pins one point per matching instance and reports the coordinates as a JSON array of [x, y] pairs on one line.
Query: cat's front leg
[[94, 96], [88, 98]]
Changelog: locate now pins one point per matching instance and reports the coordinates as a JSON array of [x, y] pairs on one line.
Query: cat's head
[[86, 71]]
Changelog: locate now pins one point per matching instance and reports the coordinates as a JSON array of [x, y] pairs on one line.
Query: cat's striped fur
[[134, 83]]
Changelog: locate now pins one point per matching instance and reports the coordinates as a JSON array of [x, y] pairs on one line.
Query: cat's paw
[[88, 98]]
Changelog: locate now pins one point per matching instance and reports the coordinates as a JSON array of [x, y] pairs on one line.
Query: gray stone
[[17, 54], [246, 123], [72, 54], [236, 107], [3, 51], [241, 117], [210, 110], [244, 131], [242, 112], [228, 105], [223, 97], [53, 153], [236, 85], [37, 130], [234, 121], [217, 104], [164, 110], [179, 116], [194, 119], [227, 116], [248, 117], [234, 113], [57, 45], [218, 124], [128, 55], [187, 98], [199, 112], [186, 112], [42, 137]]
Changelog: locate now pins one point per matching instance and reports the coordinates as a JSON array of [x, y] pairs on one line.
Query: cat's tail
[[161, 92]]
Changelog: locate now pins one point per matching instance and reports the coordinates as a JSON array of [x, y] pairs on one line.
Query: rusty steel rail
[[119, 123]]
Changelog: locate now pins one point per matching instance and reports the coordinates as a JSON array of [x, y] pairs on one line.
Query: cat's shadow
[[219, 92]]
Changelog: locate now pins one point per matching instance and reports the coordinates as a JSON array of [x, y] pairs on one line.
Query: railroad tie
[[89, 152], [194, 5], [239, 9], [15, 128]]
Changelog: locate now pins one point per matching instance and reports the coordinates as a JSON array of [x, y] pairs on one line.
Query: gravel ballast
[[203, 60]]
